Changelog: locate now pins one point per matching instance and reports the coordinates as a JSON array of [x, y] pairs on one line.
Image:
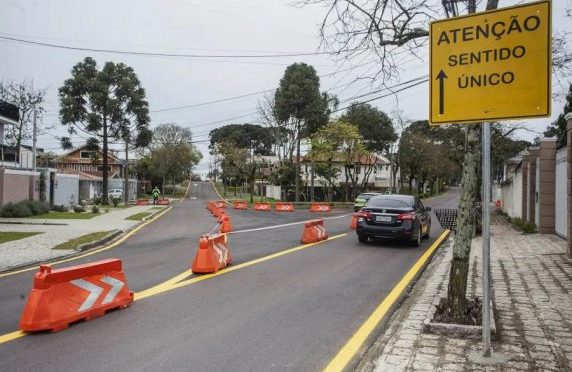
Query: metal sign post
[[486, 234]]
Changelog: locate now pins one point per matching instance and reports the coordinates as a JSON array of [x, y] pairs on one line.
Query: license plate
[[383, 218]]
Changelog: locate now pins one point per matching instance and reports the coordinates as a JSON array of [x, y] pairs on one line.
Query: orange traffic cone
[[355, 217], [225, 224]]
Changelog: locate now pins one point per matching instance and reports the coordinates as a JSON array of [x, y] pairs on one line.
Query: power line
[[156, 54], [247, 94]]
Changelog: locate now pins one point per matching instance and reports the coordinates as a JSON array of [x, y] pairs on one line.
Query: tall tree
[[99, 103], [173, 153], [300, 106], [244, 136], [28, 100], [339, 142], [558, 128], [376, 129]]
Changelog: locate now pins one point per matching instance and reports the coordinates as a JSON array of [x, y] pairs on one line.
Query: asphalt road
[[292, 312]]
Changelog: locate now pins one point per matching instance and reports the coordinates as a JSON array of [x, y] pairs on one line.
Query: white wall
[[511, 194], [272, 192], [66, 190], [561, 197]]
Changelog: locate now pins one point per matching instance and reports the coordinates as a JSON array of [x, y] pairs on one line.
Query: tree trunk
[[252, 177], [298, 165], [465, 224], [173, 188], [104, 199], [126, 175]]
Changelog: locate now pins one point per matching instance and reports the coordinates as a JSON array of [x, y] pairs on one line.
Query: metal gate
[[561, 197]]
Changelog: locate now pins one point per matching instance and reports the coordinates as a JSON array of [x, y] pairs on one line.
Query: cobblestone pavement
[[532, 283], [38, 248]]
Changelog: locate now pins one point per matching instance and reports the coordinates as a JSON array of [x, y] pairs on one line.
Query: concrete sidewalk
[[532, 283], [38, 248]]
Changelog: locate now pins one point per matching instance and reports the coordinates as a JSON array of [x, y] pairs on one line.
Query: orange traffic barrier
[[262, 206], [283, 207], [314, 231], [225, 224], [240, 204], [221, 204], [211, 204], [354, 223], [142, 202], [163, 202], [320, 207], [213, 254], [217, 212], [63, 296]]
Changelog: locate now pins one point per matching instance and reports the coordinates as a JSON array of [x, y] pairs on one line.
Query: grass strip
[[65, 216], [138, 216], [84, 239], [8, 236]]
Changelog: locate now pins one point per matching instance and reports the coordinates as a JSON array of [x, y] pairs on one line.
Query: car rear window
[[365, 197], [381, 202]]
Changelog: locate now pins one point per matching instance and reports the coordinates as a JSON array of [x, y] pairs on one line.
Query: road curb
[[94, 246]]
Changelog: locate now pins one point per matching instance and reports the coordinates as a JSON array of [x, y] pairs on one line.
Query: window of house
[[87, 154]]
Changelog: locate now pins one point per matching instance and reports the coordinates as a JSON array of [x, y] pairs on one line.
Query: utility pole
[[486, 235], [34, 139]]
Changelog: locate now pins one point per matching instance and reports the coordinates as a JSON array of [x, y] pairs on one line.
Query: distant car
[[394, 216], [362, 199], [115, 194]]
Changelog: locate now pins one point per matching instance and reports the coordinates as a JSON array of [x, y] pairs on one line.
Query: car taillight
[[406, 217], [365, 215]]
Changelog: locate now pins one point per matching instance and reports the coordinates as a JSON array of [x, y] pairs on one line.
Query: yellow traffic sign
[[492, 65]]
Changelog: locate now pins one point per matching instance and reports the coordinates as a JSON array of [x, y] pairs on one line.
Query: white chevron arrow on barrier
[[95, 291]]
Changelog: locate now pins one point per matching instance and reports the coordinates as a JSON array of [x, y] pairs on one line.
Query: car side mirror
[[427, 209]]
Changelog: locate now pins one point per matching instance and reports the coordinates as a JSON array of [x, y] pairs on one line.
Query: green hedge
[[25, 208]]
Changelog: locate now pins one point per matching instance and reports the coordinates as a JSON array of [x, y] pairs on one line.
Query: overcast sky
[[198, 27]]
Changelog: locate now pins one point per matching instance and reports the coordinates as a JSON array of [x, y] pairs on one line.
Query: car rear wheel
[[428, 233], [417, 241], [362, 238]]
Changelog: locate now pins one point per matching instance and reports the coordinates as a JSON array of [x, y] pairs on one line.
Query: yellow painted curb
[[350, 349]]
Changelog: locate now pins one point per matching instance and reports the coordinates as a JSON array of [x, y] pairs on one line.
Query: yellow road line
[[102, 249], [12, 336], [174, 283], [218, 193], [349, 350]]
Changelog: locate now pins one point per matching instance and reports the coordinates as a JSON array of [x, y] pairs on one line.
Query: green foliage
[[94, 209], [43, 187], [106, 103], [115, 202], [79, 208], [59, 208], [172, 155], [558, 128], [244, 136], [427, 153], [15, 210], [523, 225], [338, 142], [298, 97], [36, 207], [375, 127], [25, 208]]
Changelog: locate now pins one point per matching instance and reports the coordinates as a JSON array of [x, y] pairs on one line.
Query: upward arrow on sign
[[441, 77]]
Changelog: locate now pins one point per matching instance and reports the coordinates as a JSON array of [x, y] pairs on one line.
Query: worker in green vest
[[156, 192]]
